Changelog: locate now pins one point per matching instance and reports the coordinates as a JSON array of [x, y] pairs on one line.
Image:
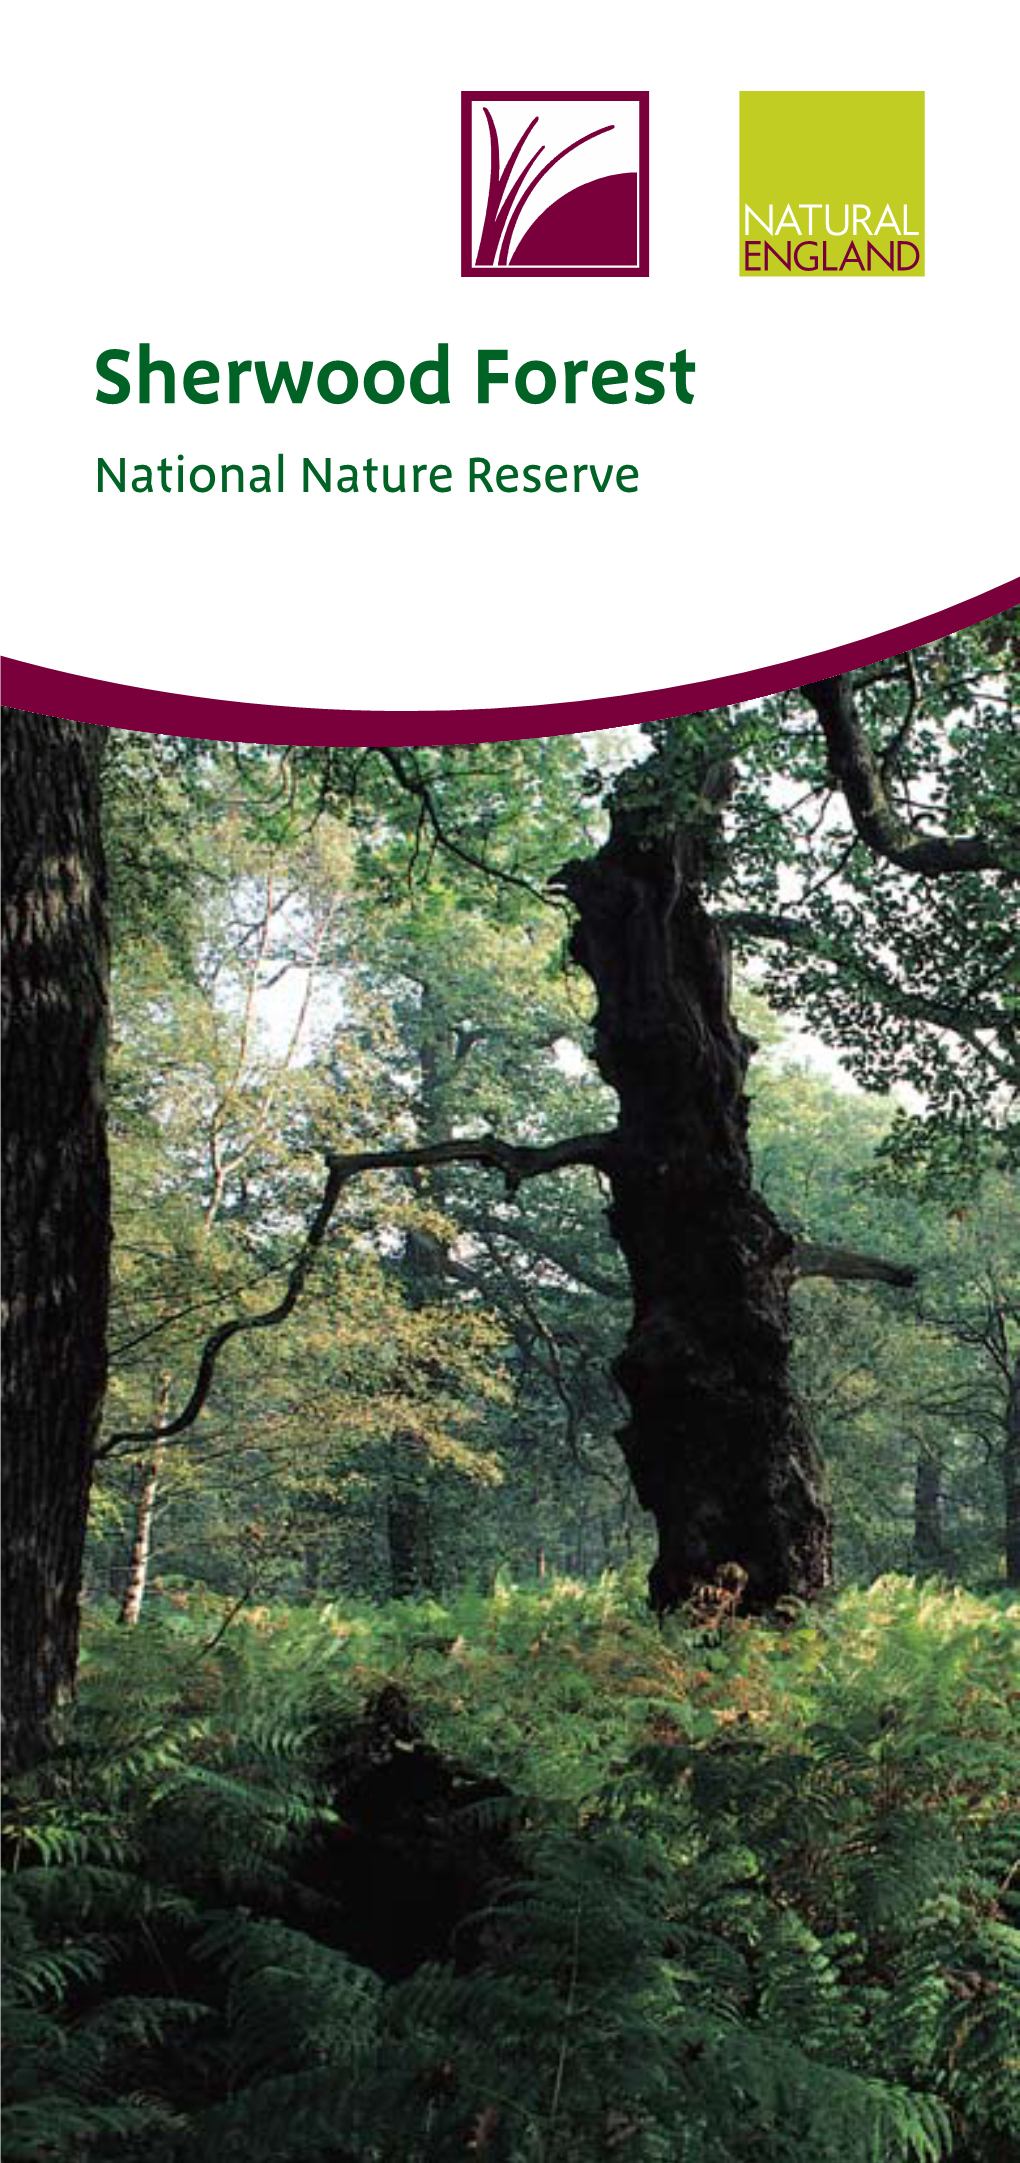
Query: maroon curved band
[[118, 705]]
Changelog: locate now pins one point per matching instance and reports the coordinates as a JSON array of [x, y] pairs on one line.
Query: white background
[[284, 182]]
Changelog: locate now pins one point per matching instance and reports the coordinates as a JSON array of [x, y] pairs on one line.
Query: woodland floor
[[525, 1877]]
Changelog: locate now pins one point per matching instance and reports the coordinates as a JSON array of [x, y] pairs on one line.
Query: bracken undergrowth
[[740, 1890]]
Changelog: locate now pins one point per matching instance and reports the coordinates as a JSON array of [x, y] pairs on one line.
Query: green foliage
[[911, 979], [757, 1892]]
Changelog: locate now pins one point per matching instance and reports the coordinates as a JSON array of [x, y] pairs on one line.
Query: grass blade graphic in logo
[[534, 214], [501, 216]]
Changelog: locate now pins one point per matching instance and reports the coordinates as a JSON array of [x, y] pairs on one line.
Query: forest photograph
[[511, 1443]]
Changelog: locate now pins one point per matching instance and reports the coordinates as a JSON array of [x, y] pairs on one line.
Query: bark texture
[[141, 1545], [145, 1511], [56, 1232], [716, 1444]]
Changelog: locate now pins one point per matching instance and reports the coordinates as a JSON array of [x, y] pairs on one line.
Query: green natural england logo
[[832, 183]]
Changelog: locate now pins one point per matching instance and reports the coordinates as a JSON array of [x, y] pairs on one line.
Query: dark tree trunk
[[716, 1444], [929, 1526], [1011, 1476], [409, 1528], [56, 1231]]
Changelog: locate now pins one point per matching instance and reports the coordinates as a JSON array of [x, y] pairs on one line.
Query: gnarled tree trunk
[[716, 1444], [56, 1232]]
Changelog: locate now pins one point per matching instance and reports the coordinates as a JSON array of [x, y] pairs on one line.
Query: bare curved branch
[[516, 1161], [846, 1266]]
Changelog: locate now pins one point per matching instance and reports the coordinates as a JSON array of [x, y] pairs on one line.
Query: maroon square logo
[[554, 183]]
